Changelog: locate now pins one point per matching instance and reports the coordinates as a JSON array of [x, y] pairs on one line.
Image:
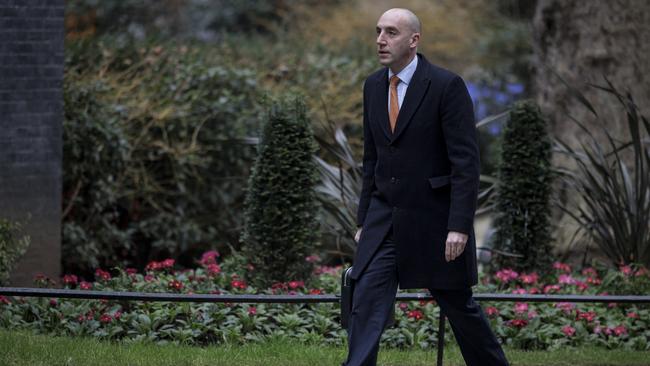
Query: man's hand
[[455, 245], [357, 235]]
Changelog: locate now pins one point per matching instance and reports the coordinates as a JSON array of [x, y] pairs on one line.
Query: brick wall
[[31, 115]]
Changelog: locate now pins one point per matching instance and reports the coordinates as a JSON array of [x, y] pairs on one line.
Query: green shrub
[[12, 247], [522, 219], [612, 183], [153, 160], [281, 208]]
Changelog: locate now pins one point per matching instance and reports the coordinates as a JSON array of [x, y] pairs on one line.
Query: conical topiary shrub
[[522, 223], [281, 208]]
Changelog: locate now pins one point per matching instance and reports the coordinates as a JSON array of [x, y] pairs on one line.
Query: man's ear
[[415, 39]]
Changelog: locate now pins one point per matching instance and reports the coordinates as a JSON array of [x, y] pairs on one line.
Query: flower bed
[[520, 325]]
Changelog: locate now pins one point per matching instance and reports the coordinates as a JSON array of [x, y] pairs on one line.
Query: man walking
[[417, 204]]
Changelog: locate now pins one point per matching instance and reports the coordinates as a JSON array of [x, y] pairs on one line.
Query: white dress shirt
[[405, 78]]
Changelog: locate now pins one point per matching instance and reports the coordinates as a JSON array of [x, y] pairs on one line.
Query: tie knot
[[394, 80]]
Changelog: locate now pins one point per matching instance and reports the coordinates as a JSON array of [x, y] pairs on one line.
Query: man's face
[[394, 40]]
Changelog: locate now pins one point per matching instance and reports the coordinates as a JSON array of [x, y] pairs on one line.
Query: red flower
[[633, 315], [415, 314], [241, 284], [404, 306], [70, 280], [175, 285], [567, 307], [519, 323], [131, 271], [492, 311], [153, 266], [568, 330], [149, 278], [85, 285], [589, 316], [594, 281], [213, 269], [519, 291], [589, 272], [626, 270], [117, 315], [315, 291], [209, 257], [529, 278], [250, 267], [642, 271], [296, 284], [581, 285], [105, 318], [566, 279], [252, 310], [551, 288], [53, 302], [102, 275], [167, 263], [620, 330], [4, 300]]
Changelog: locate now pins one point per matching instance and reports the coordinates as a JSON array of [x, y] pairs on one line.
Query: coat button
[[393, 180]]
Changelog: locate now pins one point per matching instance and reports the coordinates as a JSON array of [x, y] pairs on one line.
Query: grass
[[23, 348]]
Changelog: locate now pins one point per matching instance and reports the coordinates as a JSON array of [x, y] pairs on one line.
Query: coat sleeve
[[459, 129], [369, 161]]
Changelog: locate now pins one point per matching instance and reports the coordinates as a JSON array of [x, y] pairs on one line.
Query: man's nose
[[380, 39]]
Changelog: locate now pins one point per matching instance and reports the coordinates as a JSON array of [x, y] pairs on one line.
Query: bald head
[[406, 17]]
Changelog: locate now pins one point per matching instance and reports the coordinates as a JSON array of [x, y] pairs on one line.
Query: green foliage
[[281, 208], [616, 195], [153, 160], [522, 222], [12, 247]]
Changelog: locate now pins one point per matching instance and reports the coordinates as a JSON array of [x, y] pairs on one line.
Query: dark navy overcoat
[[423, 178]]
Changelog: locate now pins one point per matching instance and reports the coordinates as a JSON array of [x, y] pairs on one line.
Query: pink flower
[[312, 258], [492, 311], [551, 288], [529, 278], [153, 266], [4, 300], [589, 272], [581, 285], [563, 267], [252, 310], [598, 329], [85, 285], [633, 315], [521, 307], [149, 278], [626, 270], [102, 275], [566, 279], [642, 271], [415, 314], [594, 281], [534, 290], [519, 291], [565, 306], [532, 314], [296, 284], [620, 330], [404, 306], [209, 257], [568, 330], [53, 302], [506, 275], [131, 271], [70, 280], [117, 315]]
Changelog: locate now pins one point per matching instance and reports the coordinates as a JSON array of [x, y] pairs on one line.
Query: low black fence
[[293, 299]]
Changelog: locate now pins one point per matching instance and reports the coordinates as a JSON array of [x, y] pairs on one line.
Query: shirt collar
[[407, 73]]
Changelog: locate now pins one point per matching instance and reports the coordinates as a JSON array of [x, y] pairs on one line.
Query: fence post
[[441, 337]]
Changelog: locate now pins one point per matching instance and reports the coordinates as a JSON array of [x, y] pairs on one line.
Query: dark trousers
[[374, 298]]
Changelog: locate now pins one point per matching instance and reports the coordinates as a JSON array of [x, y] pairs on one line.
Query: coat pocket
[[439, 181]]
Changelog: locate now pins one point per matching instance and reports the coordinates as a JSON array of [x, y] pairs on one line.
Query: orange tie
[[394, 103]]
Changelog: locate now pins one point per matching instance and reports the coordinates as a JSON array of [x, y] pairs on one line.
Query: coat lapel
[[417, 88], [381, 101]]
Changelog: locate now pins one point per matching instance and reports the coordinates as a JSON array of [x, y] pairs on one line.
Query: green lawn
[[21, 348]]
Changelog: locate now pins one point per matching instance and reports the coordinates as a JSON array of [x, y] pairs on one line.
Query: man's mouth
[[383, 52]]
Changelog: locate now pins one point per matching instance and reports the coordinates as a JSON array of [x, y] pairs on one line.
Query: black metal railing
[[230, 298]]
